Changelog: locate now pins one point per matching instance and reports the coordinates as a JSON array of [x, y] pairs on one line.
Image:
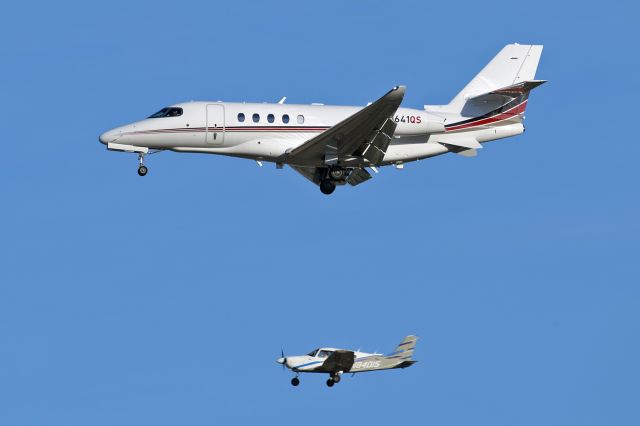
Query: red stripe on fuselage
[[516, 110], [231, 129]]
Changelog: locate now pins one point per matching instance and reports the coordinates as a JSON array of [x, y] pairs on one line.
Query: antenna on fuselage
[[281, 101]]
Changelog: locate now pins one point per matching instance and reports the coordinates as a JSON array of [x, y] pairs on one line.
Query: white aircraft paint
[[490, 107]]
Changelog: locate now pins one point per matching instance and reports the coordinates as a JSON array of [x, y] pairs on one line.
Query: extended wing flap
[[375, 150], [357, 176]]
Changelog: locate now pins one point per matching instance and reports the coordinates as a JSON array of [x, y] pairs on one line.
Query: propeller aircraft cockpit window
[[313, 352], [167, 112], [324, 354]]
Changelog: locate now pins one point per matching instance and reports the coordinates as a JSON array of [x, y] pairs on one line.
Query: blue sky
[[165, 300]]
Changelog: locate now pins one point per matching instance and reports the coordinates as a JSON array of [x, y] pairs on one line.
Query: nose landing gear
[[295, 381], [142, 169]]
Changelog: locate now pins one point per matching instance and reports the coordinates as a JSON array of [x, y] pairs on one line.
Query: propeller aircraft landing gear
[[295, 381], [142, 169], [333, 379]]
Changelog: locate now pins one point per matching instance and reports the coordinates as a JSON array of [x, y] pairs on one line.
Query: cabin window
[[167, 112], [285, 118], [313, 352], [241, 117], [270, 118], [301, 119], [256, 118]]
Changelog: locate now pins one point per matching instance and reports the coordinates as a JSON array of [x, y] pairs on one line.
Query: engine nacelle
[[413, 122]]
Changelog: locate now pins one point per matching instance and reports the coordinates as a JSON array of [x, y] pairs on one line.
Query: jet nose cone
[[109, 136], [281, 360]]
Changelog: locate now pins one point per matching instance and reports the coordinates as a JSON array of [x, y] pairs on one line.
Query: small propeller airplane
[[335, 362], [335, 145]]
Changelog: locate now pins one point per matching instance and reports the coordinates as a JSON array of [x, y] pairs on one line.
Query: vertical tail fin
[[514, 64], [402, 356], [406, 346]]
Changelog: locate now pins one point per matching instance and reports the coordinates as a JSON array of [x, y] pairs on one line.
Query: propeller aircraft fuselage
[[335, 362]]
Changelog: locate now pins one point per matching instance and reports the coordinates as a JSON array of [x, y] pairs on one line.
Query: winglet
[[398, 91]]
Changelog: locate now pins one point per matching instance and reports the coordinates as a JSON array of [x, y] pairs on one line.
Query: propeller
[[282, 360]]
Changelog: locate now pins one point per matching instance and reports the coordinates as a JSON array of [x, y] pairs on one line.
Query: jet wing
[[365, 134], [310, 173], [339, 360]]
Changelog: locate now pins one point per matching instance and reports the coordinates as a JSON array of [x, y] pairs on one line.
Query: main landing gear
[[327, 187], [295, 381], [333, 379], [142, 169], [329, 177]]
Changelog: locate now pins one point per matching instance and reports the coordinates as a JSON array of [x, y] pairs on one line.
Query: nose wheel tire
[[330, 383], [142, 170], [295, 381], [327, 187]]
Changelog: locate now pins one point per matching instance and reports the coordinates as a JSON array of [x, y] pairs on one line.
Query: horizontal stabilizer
[[461, 141], [513, 90], [468, 153]]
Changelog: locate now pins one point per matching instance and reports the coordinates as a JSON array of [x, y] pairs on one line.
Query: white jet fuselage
[[268, 131], [334, 145]]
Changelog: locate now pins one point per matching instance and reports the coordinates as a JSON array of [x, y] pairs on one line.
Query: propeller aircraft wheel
[[330, 383], [142, 170], [327, 187], [295, 381], [336, 379]]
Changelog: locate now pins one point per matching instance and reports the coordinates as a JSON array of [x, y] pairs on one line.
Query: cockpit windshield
[[324, 354], [167, 112], [313, 352]]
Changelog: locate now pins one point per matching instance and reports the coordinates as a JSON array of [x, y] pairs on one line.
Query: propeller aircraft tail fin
[[407, 345]]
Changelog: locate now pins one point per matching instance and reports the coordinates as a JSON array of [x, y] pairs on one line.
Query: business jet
[[335, 362], [335, 145]]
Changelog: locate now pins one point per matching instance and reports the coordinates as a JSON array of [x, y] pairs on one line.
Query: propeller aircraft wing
[[340, 360]]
